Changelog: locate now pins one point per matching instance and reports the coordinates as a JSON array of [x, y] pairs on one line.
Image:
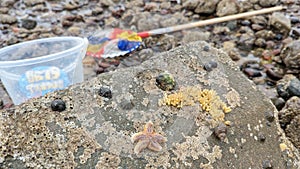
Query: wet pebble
[[57, 7], [268, 3], [33, 2], [234, 54], [117, 10], [257, 27], [227, 7], [105, 91], [245, 23], [7, 19], [58, 105], [288, 86], [281, 90], [165, 81], [265, 34], [259, 20], [281, 22], [278, 36], [190, 4], [270, 44], [66, 23], [250, 72], [291, 55], [7, 3], [247, 39], [57, 30], [278, 102], [104, 64], [289, 111], [98, 70], [260, 42], [230, 48], [294, 87], [107, 3], [295, 32], [4, 10], [165, 5], [206, 7], [28, 23], [151, 6], [97, 10], [275, 73], [74, 30], [294, 19], [111, 22]]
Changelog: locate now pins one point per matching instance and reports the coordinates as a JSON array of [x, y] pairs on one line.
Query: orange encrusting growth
[[208, 99]]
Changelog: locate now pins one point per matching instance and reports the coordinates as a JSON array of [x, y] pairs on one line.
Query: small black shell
[[165, 81], [220, 131], [210, 66], [58, 105], [105, 91]]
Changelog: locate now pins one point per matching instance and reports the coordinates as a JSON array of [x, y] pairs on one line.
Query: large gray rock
[[290, 56], [95, 131]]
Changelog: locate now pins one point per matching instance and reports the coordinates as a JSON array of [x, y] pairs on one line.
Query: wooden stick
[[207, 22]]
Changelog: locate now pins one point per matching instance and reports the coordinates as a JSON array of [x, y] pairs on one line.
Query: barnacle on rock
[[107, 161]]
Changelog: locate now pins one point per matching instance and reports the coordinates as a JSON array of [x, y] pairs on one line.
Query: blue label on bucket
[[41, 80]]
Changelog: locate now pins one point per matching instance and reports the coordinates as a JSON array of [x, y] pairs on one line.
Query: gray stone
[[288, 86], [7, 3], [28, 23], [293, 131], [33, 2], [281, 22], [191, 36], [247, 39], [268, 3], [206, 7], [95, 132], [190, 4], [294, 87], [291, 55], [7, 19], [148, 22], [289, 118], [107, 3], [227, 7]]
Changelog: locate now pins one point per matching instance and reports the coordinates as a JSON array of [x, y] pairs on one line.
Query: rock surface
[[95, 131], [291, 56], [289, 119]]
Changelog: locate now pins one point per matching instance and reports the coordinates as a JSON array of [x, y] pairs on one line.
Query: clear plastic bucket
[[34, 68]]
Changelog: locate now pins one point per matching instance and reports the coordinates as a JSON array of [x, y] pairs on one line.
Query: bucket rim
[[31, 61]]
